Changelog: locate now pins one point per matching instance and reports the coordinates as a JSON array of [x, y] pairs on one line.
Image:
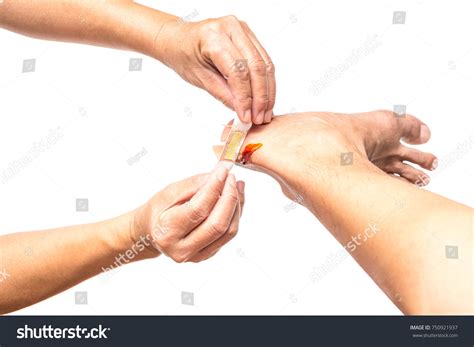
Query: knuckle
[[233, 230], [197, 213], [244, 100], [212, 25], [240, 72], [218, 227], [180, 256], [262, 99], [402, 170], [212, 48], [270, 67], [244, 25], [258, 66], [231, 19], [234, 198], [196, 259], [164, 243]]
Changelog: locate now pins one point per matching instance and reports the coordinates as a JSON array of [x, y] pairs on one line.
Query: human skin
[[188, 221], [406, 256], [222, 55]]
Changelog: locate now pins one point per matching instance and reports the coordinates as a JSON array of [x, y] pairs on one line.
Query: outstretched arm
[[189, 221], [221, 55], [416, 245], [119, 24]]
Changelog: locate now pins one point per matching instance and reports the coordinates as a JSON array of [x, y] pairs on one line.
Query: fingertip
[[425, 133], [247, 116], [241, 187], [268, 116], [221, 172]]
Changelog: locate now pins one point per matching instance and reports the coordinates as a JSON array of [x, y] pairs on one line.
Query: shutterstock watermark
[[333, 260], [136, 158], [130, 254], [188, 17], [38, 147], [49, 332], [3, 275], [333, 73], [462, 148]]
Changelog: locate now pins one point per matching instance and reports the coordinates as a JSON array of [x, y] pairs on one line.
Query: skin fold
[[406, 257]]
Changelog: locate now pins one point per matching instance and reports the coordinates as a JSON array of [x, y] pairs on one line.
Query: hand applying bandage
[[192, 219]]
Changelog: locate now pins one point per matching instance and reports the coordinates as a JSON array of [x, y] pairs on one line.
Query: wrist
[[121, 237], [143, 29], [300, 159]]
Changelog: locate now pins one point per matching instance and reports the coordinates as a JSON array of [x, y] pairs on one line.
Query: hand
[[192, 219], [224, 57]]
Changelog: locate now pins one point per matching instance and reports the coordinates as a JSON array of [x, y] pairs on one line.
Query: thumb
[[217, 86], [181, 191]]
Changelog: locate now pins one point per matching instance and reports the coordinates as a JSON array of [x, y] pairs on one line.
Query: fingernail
[[221, 173], [434, 165], [268, 115], [425, 132], [260, 117], [248, 116], [241, 187], [426, 180]]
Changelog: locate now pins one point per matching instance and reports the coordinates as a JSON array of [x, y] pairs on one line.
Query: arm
[[43, 263], [120, 24], [189, 221], [396, 231], [222, 56]]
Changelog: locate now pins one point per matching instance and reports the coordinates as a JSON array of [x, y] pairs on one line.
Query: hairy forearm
[[40, 264], [119, 24], [398, 233]]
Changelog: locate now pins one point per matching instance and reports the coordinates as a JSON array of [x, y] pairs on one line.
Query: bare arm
[[397, 232], [221, 55], [40, 264], [119, 24], [188, 221]]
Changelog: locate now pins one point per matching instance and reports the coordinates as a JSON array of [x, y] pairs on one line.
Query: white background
[[109, 114]]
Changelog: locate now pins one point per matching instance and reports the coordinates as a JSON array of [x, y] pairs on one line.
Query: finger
[[214, 247], [217, 86], [408, 172], [400, 178], [230, 63], [270, 70], [231, 232], [425, 160], [258, 73], [218, 150], [199, 258], [413, 130], [184, 218], [218, 222], [241, 190], [178, 192]]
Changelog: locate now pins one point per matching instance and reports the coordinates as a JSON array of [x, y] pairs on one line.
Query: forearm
[[43, 263], [396, 231], [114, 23]]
